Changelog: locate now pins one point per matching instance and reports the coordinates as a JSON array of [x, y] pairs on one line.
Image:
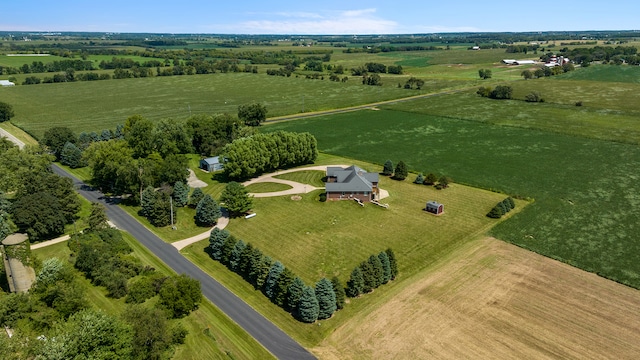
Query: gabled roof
[[351, 179], [212, 160]]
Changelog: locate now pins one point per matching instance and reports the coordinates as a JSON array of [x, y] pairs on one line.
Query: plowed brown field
[[493, 300]]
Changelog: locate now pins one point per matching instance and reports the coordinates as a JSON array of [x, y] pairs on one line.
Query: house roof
[[433, 204], [212, 160], [351, 179]]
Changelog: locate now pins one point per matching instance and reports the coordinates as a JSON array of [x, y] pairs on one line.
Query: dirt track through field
[[493, 300]]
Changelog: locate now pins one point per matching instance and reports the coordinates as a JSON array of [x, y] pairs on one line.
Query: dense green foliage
[[236, 199], [180, 194], [401, 171], [326, 298], [387, 168], [252, 114], [308, 308], [56, 138], [6, 112], [179, 295], [254, 155], [502, 208], [207, 211]]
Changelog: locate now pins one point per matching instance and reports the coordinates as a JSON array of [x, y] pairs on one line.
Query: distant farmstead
[[211, 164], [434, 207], [351, 183]]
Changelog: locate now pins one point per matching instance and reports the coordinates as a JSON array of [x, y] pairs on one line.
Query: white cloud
[[360, 21], [357, 13]]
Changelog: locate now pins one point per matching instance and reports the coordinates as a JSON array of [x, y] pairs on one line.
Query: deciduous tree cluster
[[254, 155]]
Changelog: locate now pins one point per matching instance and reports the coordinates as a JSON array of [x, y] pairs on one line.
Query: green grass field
[[84, 106], [606, 73], [267, 187], [310, 177], [318, 239], [212, 335], [586, 206]]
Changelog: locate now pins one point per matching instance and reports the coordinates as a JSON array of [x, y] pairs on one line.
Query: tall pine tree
[[272, 279], [180, 194], [234, 261], [195, 197], [308, 307], [207, 211], [376, 266], [388, 168], [338, 289], [355, 285], [294, 292], [386, 267], [284, 281], [392, 263], [326, 298], [368, 276], [147, 201], [216, 241]]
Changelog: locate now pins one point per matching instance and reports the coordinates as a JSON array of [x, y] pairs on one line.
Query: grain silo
[[16, 255]]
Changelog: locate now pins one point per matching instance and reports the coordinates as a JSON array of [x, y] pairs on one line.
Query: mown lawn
[[310, 177], [267, 187], [211, 334], [587, 204], [317, 239]]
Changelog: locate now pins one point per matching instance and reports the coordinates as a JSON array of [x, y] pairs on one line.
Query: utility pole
[[171, 202]]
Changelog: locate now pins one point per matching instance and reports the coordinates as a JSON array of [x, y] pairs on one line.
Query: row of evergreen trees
[[254, 155], [377, 270], [502, 208], [156, 204], [278, 283]]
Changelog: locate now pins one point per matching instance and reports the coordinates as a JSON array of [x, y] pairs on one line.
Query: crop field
[[492, 300], [606, 73], [317, 239], [17, 61], [586, 206], [84, 106]]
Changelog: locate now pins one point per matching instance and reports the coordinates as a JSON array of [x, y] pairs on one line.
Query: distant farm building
[[211, 164], [475, 48], [351, 183], [556, 61], [6, 83], [434, 207], [518, 62], [16, 256]]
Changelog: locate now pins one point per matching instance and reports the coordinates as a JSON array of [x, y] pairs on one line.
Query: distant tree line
[[260, 153], [616, 55], [277, 282], [390, 48]]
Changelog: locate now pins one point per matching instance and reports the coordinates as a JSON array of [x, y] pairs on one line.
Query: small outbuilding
[[6, 83], [434, 207], [211, 164]]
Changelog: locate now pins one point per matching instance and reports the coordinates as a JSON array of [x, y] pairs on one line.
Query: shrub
[[430, 179], [419, 179], [323, 197], [501, 92], [533, 96], [578, 103]]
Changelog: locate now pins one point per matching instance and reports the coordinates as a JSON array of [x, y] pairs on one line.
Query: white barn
[[6, 83]]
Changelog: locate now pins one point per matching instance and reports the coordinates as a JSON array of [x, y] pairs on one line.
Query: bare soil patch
[[493, 300]]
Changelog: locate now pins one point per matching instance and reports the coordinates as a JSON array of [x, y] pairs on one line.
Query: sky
[[317, 17]]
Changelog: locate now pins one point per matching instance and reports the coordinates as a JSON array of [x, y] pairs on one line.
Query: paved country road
[[266, 333]]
